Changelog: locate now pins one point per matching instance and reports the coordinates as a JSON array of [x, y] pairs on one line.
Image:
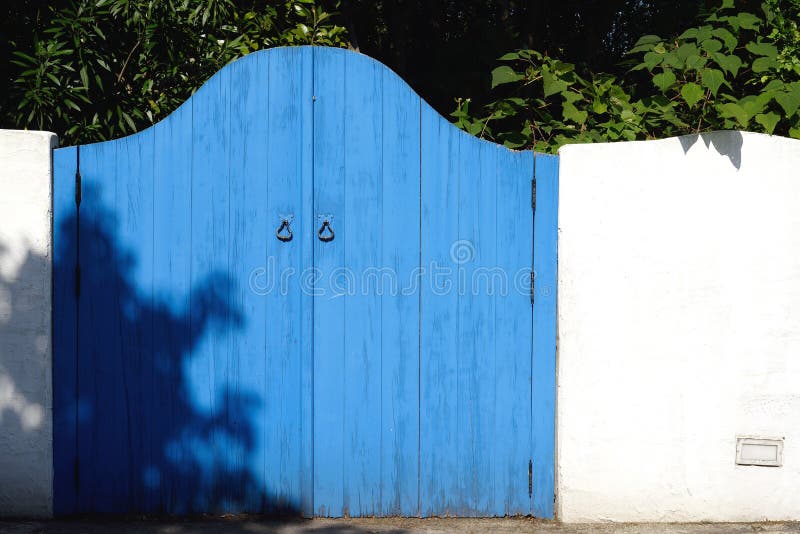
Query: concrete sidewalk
[[250, 525]]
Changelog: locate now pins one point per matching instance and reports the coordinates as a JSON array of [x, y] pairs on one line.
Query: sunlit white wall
[[679, 328]]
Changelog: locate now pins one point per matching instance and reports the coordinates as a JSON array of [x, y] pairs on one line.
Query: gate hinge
[[78, 175], [533, 194], [77, 280], [530, 478], [533, 280]]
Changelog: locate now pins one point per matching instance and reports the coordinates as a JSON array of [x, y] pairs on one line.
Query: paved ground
[[246, 525]]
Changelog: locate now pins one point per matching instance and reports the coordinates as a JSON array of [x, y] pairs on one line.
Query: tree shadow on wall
[[25, 435], [726, 143], [163, 426]]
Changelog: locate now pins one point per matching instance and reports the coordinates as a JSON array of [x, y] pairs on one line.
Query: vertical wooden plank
[[104, 452], [329, 312], [304, 65], [400, 241], [475, 257], [253, 378], [134, 292], [462, 257], [210, 286], [361, 235], [287, 435], [512, 324], [439, 492], [171, 490], [544, 335], [65, 398]]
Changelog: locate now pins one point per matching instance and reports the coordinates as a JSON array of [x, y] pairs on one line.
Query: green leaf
[[711, 45], [768, 121], [651, 60], [789, 101], [571, 96], [686, 50], [599, 107], [748, 21], [762, 49], [730, 63], [703, 33], [664, 80], [692, 93], [505, 74], [84, 77], [628, 115], [753, 104], [648, 39], [509, 57], [571, 113], [691, 33], [552, 85], [696, 62], [735, 111], [712, 79], [726, 37], [71, 104], [763, 64]]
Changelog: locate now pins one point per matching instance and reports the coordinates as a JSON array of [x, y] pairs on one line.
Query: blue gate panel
[[304, 292]]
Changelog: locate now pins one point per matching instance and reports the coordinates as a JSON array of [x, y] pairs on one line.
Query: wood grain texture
[[544, 336], [361, 236], [172, 215], [399, 242], [439, 492], [65, 322], [254, 365], [104, 483], [329, 258], [288, 177], [512, 328]]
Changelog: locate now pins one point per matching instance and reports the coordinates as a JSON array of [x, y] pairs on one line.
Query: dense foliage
[[99, 69], [734, 70]]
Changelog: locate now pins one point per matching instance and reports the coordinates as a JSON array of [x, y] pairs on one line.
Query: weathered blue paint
[[399, 369], [329, 311], [65, 321], [399, 247], [544, 336]]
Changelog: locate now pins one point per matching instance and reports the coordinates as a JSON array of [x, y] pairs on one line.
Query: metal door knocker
[[322, 235], [284, 236]]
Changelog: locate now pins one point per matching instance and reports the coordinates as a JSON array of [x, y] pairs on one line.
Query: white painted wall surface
[[679, 328], [26, 436]]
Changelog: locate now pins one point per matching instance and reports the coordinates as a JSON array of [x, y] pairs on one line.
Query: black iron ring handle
[[284, 236], [321, 234]]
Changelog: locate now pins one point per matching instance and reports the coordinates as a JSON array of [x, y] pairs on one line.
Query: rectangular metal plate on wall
[[766, 452]]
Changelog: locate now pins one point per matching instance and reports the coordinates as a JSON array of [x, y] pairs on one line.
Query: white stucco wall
[[26, 452], [679, 328]]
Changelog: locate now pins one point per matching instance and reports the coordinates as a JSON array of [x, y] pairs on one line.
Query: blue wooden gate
[[304, 292]]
